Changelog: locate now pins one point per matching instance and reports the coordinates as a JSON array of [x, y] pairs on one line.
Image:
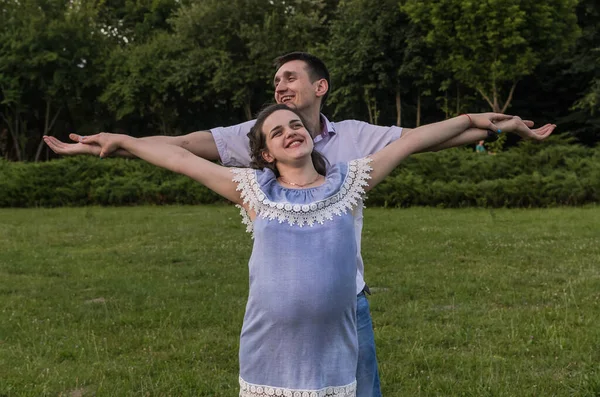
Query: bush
[[530, 175], [80, 181]]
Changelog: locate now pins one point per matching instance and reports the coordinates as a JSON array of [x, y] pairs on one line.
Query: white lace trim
[[348, 196], [251, 390], [245, 218]]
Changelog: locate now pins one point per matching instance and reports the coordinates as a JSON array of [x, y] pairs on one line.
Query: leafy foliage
[[173, 66], [491, 45], [526, 176]]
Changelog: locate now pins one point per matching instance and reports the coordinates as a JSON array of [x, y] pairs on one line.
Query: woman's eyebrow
[[275, 129]]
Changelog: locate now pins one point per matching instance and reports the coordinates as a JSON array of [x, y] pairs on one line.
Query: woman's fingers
[[528, 123], [89, 139], [486, 120], [500, 116], [75, 137]]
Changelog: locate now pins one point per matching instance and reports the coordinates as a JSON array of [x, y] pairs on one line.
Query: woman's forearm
[[429, 137]]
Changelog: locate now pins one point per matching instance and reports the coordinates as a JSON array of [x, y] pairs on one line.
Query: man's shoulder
[[352, 125], [349, 125], [242, 128]]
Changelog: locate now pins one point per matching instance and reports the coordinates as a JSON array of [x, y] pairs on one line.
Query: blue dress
[[299, 332]]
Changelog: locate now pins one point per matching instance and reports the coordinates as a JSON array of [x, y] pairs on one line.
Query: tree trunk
[[47, 127], [419, 109], [496, 106], [510, 96], [446, 104], [457, 98], [248, 110], [14, 133], [371, 106], [398, 107]]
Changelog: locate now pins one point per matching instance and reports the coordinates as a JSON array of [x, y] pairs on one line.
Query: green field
[[148, 301]]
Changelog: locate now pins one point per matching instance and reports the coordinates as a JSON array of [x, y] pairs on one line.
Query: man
[[302, 81]]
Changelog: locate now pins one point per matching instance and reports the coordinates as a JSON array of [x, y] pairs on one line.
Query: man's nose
[[280, 87]]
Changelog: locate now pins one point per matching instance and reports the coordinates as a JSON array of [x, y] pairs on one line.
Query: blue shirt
[[339, 142], [299, 332]]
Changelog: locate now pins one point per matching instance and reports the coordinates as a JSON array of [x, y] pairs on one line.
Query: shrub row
[[530, 175]]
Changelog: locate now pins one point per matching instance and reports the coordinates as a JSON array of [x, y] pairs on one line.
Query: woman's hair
[[258, 142]]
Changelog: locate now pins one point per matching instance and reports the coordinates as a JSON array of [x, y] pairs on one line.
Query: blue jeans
[[367, 376]]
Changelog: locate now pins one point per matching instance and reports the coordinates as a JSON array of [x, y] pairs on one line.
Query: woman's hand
[[107, 142], [486, 121]]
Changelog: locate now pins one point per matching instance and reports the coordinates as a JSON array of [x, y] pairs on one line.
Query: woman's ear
[[267, 156]]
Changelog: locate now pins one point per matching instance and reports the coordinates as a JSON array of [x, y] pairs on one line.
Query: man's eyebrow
[[287, 73]]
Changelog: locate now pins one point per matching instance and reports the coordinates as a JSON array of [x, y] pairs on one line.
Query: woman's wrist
[[468, 116]]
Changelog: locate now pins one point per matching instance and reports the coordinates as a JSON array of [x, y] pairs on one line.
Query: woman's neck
[[299, 176]]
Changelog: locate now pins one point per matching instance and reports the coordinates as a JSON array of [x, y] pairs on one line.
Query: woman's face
[[286, 137]]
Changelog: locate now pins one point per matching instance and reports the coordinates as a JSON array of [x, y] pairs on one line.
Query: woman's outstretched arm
[[385, 160], [215, 177]]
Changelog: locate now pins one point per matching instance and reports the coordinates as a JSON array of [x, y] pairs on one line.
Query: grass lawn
[[149, 301]]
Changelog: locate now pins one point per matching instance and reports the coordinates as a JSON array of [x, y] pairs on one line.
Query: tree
[[491, 45], [47, 59], [365, 55], [587, 59], [236, 60], [376, 54]]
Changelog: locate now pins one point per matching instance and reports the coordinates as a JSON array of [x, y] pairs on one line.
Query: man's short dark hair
[[316, 67]]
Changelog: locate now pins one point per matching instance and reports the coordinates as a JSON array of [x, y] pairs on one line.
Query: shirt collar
[[327, 130]]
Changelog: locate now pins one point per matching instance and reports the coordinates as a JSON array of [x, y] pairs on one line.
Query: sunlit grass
[[150, 300]]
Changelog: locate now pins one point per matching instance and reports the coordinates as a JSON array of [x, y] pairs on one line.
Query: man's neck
[[313, 121]]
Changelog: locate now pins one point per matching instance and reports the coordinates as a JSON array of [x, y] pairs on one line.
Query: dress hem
[[252, 390]]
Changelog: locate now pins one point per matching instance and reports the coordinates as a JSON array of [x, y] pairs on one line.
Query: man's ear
[[321, 88], [267, 156]]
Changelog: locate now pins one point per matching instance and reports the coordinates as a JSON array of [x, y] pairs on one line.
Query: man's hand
[[71, 149], [523, 128]]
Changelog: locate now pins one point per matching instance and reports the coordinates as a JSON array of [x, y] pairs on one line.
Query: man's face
[[293, 86]]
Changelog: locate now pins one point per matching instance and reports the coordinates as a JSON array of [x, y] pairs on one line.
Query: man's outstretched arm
[[201, 143]]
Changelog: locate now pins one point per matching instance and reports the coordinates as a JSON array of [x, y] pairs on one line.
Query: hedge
[[530, 175]]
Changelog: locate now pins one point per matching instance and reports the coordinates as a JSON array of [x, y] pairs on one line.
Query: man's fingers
[[50, 144], [543, 132], [54, 144], [549, 130]]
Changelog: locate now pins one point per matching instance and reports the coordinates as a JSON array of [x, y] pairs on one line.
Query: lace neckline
[[348, 196]]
